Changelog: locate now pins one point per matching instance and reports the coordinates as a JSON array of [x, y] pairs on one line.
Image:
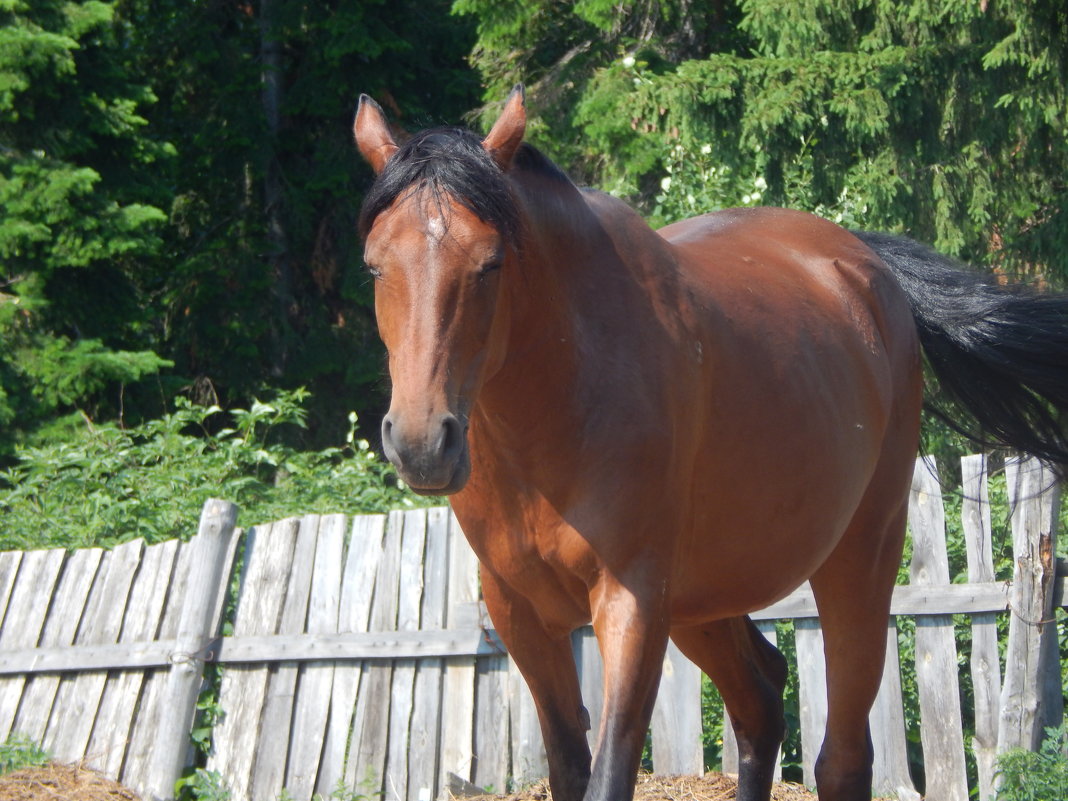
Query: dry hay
[[62, 783], [710, 787], [77, 783]]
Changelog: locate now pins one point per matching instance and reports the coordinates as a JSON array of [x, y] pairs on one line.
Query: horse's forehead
[[434, 223]]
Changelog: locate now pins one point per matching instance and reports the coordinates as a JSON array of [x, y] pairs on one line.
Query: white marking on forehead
[[435, 228]]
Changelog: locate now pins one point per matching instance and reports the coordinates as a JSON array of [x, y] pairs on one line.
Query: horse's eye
[[489, 267], [372, 271]]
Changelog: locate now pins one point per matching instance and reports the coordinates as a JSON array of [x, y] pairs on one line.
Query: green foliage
[[260, 281], [78, 220], [1036, 775], [202, 785], [178, 186], [944, 120], [19, 752], [343, 792], [110, 484]]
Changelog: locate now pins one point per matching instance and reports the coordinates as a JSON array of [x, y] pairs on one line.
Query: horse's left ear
[[372, 133], [506, 134]]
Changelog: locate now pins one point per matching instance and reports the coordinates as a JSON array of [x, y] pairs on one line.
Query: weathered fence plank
[[78, 699], [9, 568], [243, 690], [985, 667], [591, 677], [37, 575], [676, 722], [269, 768], [111, 732], [1028, 701], [354, 615], [812, 693], [402, 688], [312, 706], [60, 630], [936, 648], [491, 723], [529, 762], [427, 698], [370, 728], [886, 722], [457, 722]]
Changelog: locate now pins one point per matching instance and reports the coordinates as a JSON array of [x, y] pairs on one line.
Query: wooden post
[[936, 649], [676, 722], [209, 574], [985, 668], [1028, 702], [811, 692], [890, 767]]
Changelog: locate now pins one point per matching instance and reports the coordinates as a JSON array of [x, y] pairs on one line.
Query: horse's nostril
[[452, 437], [388, 446]]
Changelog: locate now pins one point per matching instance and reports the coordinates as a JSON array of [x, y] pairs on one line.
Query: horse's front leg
[[547, 663], [630, 620]]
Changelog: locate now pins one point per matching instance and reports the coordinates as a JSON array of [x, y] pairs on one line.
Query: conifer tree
[[942, 119], [78, 217]]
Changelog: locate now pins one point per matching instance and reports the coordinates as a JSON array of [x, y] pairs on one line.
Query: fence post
[[1028, 701], [207, 582], [936, 649], [985, 667]]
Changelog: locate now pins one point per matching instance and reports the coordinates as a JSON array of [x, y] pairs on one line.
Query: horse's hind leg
[[750, 674], [853, 590]]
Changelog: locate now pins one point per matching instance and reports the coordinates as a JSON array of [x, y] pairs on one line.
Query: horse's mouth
[[428, 487]]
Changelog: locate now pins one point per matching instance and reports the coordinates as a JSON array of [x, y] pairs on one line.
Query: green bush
[[110, 484], [19, 752], [1036, 775]]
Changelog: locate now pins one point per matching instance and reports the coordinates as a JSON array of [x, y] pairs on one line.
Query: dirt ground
[[74, 783], [710, 787]]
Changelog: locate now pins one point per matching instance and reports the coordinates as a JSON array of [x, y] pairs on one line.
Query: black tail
[[1000, 351]]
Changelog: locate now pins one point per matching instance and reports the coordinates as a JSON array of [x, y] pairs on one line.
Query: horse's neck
[[568, 265], [578, 298]]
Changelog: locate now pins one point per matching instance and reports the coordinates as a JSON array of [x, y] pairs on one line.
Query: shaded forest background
[[180, 279]]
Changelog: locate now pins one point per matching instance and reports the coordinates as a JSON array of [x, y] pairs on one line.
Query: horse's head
[[439, 226]]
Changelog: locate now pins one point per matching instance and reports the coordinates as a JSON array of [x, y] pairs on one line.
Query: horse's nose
[[426, 458]]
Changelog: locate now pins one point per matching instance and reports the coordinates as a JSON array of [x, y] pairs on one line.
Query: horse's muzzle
[[432, 459]]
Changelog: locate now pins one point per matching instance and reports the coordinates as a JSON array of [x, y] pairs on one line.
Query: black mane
[[444, 162], [451, 162]]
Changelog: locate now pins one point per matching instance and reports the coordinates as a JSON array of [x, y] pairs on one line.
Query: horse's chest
[[547, 562]]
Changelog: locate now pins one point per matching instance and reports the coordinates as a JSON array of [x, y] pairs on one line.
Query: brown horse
[[664, 431]]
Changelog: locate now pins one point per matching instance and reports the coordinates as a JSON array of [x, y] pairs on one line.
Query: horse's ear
[[372, 133], [506, 134]]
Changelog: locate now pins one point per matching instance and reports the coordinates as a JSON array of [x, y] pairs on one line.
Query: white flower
[[628, 61], [760, 183], [665, 183], [706, 149]]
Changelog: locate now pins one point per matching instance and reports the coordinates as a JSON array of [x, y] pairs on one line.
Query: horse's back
[[770, 265]]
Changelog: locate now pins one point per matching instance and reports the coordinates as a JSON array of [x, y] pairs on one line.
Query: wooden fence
[[360, 653]]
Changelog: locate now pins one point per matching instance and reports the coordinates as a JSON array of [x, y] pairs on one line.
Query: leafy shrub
[[109, 484], [18, 752], [202, 785], [1036, 775]]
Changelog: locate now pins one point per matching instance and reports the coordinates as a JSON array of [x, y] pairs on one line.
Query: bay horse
[[663, 431]]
